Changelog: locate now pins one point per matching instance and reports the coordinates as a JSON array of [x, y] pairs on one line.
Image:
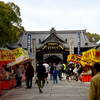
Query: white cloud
[[61, 14]]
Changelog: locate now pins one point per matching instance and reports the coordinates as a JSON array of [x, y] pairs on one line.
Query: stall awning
[[92, 55], [22, 56], [78, 59]]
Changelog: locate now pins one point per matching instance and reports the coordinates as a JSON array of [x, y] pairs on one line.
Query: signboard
[[22, 56], [74, 58], [31, 56], [78, 59], [34, 52], [91, 55], [71, 45], [7, 55], [59, 55], [79, 43], [20, 52], [29, 43], [84, 63]]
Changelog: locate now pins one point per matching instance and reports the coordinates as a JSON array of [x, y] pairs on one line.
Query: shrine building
[[54, 45]]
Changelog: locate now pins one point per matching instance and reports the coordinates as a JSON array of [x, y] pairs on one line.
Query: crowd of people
[[56, 71], [72, 72]]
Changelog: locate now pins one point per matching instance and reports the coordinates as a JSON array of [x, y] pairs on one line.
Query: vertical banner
[[34, 53], [71, 45], [29, 43], [79, 43]]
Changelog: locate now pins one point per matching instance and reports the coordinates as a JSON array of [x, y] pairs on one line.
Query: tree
[[10, 23], [93, 37]]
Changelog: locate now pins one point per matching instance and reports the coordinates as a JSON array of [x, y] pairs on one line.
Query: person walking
[[55, 75], [51, 72], [54, 65], [94, 92], [18, 76], [25, 67], [64, 68], [41, 75], [59, 68], [71, 71], [67, 73], [47, 71], [77, 74], [80, 70], [74, 72], [29, 74]]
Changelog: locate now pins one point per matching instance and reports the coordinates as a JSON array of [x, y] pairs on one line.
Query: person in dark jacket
[[71, 71], [29, 75], [51, 72], [41, 75], [79, 74], [67, 73]]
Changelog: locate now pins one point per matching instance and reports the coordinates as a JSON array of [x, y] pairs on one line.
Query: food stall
[[6, 57], [86, 76], [88, 59], [22, 56]]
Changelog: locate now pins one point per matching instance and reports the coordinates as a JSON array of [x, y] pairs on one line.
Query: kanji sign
[[91, 55]]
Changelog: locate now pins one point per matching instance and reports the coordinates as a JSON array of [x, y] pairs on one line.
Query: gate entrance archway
[[53, 58]]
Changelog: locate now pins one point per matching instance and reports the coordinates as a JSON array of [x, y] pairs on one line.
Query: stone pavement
[[63, 90]]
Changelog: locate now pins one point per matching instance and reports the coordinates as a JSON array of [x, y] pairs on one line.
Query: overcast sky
[[42, 15]]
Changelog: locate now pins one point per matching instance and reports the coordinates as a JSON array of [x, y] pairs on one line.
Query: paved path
[[62, 91]]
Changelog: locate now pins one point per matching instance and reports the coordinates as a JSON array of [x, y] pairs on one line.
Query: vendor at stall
[[89, 71], [2, 69], [18, 76], [6, 73]]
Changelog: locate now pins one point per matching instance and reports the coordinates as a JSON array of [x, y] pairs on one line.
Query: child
[[55, 75]]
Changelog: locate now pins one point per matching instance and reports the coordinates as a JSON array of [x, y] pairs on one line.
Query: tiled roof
[[62, 34]]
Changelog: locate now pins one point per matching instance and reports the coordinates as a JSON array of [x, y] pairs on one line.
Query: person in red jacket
[[29, 75]]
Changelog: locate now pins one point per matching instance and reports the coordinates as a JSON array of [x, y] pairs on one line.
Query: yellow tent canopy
[[92, 55], [22, 56]]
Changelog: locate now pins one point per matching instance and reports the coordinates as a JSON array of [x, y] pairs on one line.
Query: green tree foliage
[[93, 37], [10, 23]]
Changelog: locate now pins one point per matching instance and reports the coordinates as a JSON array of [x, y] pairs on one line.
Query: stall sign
[[7, 55], [31, 55], [84, 63], [91, 55], [74, 58], [20, 52]]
